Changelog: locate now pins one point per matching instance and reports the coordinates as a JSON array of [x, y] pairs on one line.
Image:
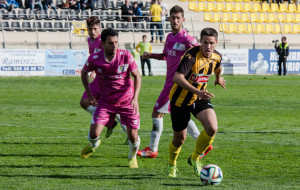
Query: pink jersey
[[113, 77], [174, 49], [95, 46]]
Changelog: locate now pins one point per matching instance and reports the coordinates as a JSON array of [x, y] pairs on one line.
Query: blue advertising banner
[[265, 61], [64, 62]]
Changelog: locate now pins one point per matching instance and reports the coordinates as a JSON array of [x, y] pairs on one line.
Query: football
[[211, 175]]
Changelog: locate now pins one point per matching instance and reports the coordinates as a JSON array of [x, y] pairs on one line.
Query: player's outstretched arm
[[219, 80], [181, 81], [85, 82], [158, 56], [137, 87]]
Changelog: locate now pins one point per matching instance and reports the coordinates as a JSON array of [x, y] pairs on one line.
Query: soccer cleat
[[172, 170], [206, 152], [133, 163], [197, 166], [88, 150], [147, 152], [110, 129]]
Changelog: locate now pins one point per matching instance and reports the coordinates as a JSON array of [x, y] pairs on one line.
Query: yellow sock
[[202, 143], [174, 152]]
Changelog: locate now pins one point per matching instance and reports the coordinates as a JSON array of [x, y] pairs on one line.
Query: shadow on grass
[[183, 185], [49, 166], [40, 155], [42, 143], [92, 177]]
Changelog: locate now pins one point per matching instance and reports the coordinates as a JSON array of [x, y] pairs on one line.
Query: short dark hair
[[177, 9], [144, 36], [209, 32], [91, 21], [284, 38], [108, 32]]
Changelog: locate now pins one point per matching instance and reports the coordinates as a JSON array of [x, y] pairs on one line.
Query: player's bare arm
[[137, 87], [158, 56], [220, 80], [85, 82], [181, 81]]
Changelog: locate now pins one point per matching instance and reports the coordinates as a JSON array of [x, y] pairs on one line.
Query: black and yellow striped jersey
[[197, 69]]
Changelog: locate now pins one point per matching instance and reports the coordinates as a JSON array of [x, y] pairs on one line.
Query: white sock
[[94, 142], [193, 130], [158, 124], [91, 109], [123, 126], [133, 148]]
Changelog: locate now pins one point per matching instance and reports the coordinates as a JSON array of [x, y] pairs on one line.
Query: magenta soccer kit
[[94, 47], [116, 87], [175, 47]]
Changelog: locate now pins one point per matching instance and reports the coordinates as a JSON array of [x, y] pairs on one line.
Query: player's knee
[[156, 114], [178, 141], [211, 131], [84, 103]]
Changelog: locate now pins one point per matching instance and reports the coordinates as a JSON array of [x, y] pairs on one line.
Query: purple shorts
[[162, 104], [95, 91], [106, 112]]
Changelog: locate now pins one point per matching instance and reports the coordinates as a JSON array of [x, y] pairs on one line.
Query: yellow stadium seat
[[240, 29], [280, 17], [298, 9], [201, 0], [238, 0], [219, 7], [192, 6], [210, 7], [228, 0], [182, 0], [244, 18], [268, 29], [216, 17], [291, 8], [246, 0], [295, 29], [220, 0], [265, 7], [234, 17], [231, 28], [272, 18], [253, 17], [247, 7], [259, 28], [274, 7], [207, 17], [287, 28], [237, 7], [210, 0], [296, 19], [277, 29], [223, 27], [255, 8], [225, 17], [228, 7], [289, 18], [201, 7], [191, 0], [262, 18], [248, 29], [282, 8]]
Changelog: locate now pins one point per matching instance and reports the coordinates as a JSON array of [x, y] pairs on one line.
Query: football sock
[[123, 126], [156, 133], [94, 142], [193, 130], [91, 109], [202, 143], [174, 152], [133, 148]]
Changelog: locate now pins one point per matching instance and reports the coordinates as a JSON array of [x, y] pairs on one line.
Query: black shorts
[[180, 116]]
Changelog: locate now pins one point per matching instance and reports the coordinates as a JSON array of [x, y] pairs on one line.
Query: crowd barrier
[[39, 62]]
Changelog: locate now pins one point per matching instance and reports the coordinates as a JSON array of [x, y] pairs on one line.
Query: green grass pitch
[[43, 130]]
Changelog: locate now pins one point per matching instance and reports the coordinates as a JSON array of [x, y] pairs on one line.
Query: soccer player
[[176, 45], [119, 94], [189, 95], [94, 42]]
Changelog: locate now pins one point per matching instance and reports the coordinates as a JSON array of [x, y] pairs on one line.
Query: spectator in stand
[[5, 5], [105, 3], [48, 4], [85, 4], [74, 4], [155, 12], [127, 11], [35, 4], [164, 13], [137, 13]]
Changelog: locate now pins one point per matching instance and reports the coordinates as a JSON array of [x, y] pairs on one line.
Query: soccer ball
[[211, 175]]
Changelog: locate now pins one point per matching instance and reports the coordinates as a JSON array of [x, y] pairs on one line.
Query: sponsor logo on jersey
[[179, 47], [199, 78], [123, 68], [99, 70], [95, 56], [97, 50]]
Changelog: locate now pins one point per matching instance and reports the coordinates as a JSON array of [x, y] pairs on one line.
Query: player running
[[177, 43], [189, 95], [119, 94], [94, 42]]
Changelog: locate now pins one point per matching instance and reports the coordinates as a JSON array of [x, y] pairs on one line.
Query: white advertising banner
[[234, 61], [22, 62]]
